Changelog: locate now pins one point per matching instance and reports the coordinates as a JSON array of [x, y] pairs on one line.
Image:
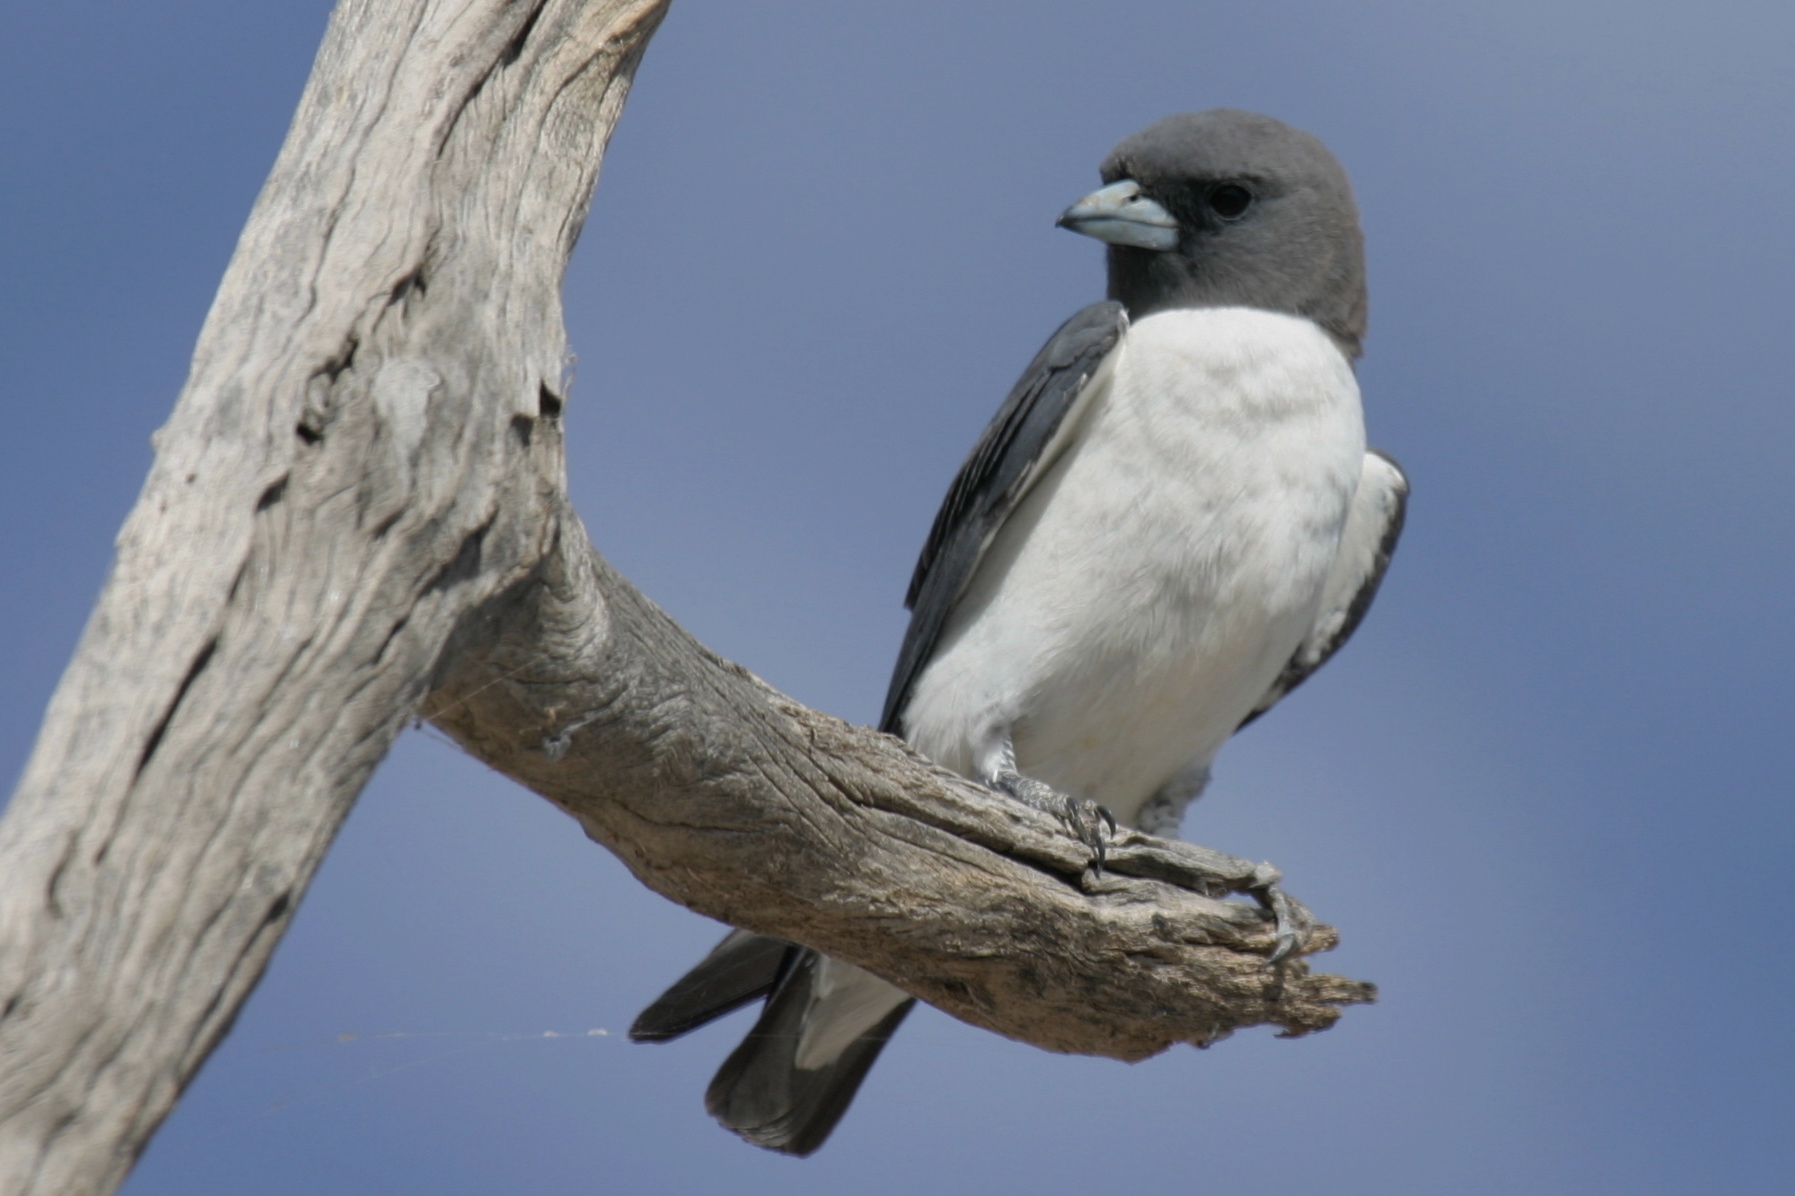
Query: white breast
[[1146, 592]]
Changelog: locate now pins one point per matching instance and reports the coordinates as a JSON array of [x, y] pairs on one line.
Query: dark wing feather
[[760, 1092], [742, 968], [1366, 545], [993, 480]]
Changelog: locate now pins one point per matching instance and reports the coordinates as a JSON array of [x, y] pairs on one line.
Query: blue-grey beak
[[1121, 215]]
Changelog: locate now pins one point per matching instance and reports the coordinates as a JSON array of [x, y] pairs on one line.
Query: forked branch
[[357, 513]]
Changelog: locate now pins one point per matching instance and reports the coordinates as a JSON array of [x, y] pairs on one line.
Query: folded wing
[[1016, 448], [825, 1022], [1366, 544]]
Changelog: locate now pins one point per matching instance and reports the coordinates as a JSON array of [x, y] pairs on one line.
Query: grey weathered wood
[[365, 450], [738, 802], [357, 512]]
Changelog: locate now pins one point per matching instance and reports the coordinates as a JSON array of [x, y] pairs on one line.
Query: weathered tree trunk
[[357, 513], [363, 453]]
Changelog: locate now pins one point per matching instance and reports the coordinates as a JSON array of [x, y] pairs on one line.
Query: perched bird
[[1170, 523]]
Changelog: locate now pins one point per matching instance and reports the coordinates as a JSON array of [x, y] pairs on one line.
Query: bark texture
[[357, 514], [365, 450], [734, 800]]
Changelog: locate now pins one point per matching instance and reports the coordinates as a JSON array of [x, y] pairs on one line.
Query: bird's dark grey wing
[[760, 1092], [1005, 462], [742, 968], [1366, 544]]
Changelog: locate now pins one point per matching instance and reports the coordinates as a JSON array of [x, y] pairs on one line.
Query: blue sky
[[1544, 794]]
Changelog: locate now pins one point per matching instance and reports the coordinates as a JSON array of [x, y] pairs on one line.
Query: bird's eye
[[1229, 200]]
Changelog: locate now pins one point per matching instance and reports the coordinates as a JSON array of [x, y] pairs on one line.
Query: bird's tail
[[793, 1077]]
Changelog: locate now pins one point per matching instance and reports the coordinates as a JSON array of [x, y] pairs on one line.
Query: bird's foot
[[1292, 929], [1091, 823]]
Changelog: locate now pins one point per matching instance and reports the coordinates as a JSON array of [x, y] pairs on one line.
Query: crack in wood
[[198, 666]]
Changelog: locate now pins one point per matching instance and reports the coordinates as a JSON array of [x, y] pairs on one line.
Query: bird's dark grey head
[[1230, 209]]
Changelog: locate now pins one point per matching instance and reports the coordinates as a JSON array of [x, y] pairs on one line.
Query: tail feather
[[742, 968], [763, 1094]]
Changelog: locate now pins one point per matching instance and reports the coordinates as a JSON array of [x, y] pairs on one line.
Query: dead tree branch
[[732, 799]]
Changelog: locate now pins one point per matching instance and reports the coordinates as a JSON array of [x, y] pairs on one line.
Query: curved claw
[[1088, 828], [1291, 935], [1087, 819], [1099, 842]]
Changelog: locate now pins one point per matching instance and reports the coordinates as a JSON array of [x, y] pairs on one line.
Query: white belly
[[1146, 592]]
